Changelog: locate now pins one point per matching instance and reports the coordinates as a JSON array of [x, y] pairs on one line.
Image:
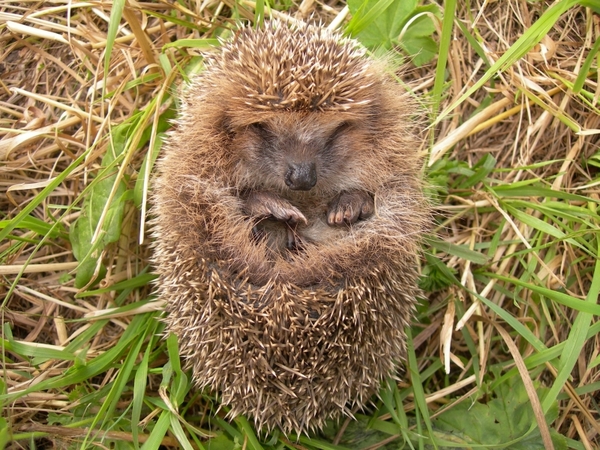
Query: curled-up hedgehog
[[289, 210]]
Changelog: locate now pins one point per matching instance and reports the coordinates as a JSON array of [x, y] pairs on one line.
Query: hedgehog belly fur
[[288, 210]]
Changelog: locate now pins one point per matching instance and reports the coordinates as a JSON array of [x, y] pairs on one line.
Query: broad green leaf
[[98, 199], [386, 28], [221, 442], [145, 170], [422, 48], [394, 23], [365, 12], [504, 422]]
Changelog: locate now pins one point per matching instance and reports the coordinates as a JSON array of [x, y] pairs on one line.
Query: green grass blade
[[558, 297], [139, 392], [116, 12], [159, 431], [576, 340], [179, 434], [585, 67], [246, 428], [445, 41], [417, 384]]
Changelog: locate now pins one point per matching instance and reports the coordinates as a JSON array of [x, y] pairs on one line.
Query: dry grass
[[530, 216]]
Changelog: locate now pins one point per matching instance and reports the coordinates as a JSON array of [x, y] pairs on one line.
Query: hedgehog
[[289, 209]]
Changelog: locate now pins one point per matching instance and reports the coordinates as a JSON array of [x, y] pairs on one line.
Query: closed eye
[[339, 131], [260, 129]]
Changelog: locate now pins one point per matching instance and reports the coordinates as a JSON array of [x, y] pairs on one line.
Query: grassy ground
[[504, 350]]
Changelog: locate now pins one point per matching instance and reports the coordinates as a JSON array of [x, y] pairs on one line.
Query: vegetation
[[505, 349]]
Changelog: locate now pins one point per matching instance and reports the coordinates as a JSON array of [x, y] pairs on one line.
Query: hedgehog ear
[[225, 124], [337, 132]]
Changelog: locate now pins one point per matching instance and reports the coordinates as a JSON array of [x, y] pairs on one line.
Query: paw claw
[[349, 207], [265, 204]]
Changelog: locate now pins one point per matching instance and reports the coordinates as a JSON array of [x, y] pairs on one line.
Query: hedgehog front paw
[[260, 204], [350, 206]]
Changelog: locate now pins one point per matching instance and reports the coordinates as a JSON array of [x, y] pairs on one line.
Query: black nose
[[301, 176]]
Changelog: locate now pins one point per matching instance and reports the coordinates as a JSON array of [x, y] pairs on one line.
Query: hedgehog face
[[298, 151]]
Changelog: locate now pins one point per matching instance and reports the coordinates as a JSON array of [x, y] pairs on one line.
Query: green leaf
[[115, 394], [4, 433], [138, 281], [139, 392], [364, 13], [585, 68], [193, 43], [38, 226], [78, 373], [462, 251], [142, 181], [480, 170], [367, 432], [422, 48], [417, 384], [44, 352], [103, 209], [386, 24], [444, 51], [17, 221], [259, 13], [504, 421], [221, 442], [528, 189], [249, 433], [176, 20], [437, 275]]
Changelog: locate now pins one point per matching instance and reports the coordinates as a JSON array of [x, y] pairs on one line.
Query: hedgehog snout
[[301, 176]]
